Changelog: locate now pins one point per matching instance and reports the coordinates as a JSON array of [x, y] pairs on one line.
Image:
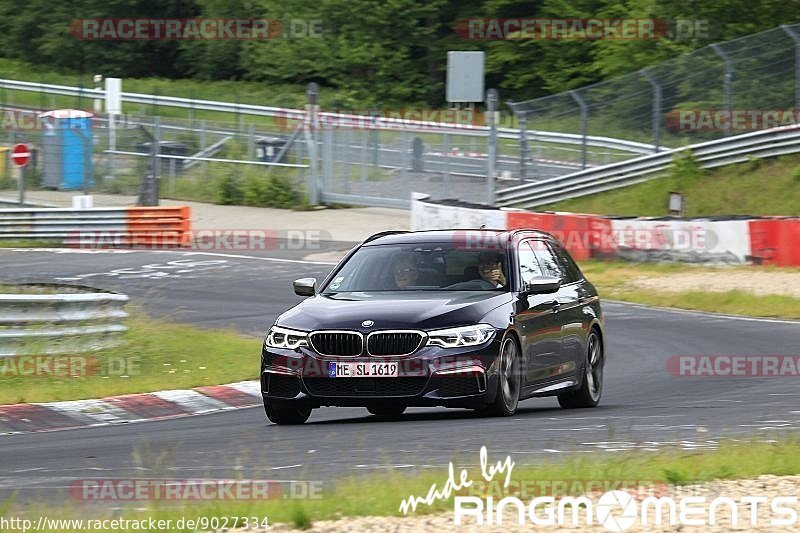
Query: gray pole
[[156, 160], [796, 38], [523, 145], [312, 92], [726, 85], [491, 163], [584, 124], [656, 108]]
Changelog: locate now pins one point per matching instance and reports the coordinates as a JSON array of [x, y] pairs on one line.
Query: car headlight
[[290, 339], [462, 336]]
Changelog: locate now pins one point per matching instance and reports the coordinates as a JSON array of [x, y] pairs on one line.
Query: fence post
[[523, 145], [656, 119], [584, 124], [251, 142], [726, 85], [203, 164], [491, 163], [446, 181], [312, 108], [796, 39]]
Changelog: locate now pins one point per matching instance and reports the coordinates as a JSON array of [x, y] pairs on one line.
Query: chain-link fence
[[752, 82]]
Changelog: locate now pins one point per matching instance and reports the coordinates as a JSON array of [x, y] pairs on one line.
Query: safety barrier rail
[[69, 322], [735, 149], [106, 226]]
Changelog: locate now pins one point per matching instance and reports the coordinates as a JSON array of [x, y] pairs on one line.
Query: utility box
[[67, 149], [167, 148], [268, 148]]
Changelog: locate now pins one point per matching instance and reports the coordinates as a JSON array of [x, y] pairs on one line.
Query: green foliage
[[685, 168], [300, 517], [773, 189], [256, 188], [372, 51]]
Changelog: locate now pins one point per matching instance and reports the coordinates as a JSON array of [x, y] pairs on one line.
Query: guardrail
[[337, 118], [60, 323], [104, 226], [736, 149]]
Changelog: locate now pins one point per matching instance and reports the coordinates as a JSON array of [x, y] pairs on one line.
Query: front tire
[[591, 388], [508, 380], [386, 411], [286, 413]]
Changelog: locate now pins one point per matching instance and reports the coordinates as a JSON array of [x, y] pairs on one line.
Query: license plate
[[363, 370]]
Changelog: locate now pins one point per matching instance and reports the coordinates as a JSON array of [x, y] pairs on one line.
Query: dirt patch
[[756, 282]]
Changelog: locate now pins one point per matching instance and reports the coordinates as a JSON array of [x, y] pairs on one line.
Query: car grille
[[345, 343], [402, 386], [282, 386], [394, 342]]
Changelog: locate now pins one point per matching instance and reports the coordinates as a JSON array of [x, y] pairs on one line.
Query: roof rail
[[383, 234]]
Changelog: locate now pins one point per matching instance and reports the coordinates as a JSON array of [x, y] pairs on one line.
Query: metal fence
[[755, 73], [203, 147]]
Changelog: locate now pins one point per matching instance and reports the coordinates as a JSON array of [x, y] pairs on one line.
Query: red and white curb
[[128, 408]]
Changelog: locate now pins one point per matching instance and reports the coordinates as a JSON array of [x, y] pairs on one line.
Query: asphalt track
[[644, 407]]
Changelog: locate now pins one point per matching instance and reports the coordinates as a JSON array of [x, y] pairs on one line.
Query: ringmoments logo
[[615, 510]]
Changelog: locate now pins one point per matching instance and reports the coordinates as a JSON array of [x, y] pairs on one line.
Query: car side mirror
[[305, 286], [543, 285]]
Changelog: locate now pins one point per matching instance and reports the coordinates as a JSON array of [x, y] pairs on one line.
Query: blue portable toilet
[[67, 148]]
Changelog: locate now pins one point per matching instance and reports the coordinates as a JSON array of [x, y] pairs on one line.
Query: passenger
[[490, 274], [490, 268], [405, 273]]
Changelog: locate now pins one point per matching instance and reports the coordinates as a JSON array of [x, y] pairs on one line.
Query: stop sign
[[21, 154]]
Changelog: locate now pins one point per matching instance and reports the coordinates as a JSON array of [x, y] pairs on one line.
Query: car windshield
[[421, 267]]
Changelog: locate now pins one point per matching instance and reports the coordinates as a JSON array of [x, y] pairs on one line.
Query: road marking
[[176, 251], [702, 313]]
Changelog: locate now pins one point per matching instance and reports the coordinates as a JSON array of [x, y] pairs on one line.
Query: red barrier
[[775, 241], [159, 226], [584, 236]]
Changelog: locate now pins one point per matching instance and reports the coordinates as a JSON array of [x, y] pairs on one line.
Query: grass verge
[[381, 495], [614, 280], [756, 187], [157, 355]]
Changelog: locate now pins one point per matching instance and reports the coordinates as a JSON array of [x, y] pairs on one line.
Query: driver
[[405, 273]]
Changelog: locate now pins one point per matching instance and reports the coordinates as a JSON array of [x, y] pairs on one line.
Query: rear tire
[[591, 388], [387, 411], [286, 413], [508, 382]]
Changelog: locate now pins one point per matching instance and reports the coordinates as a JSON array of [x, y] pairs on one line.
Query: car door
[[578, 316], [565, 307], [571, 318], [537, 324]]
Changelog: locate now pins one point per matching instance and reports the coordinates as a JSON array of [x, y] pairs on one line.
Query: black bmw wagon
[[476, 319]]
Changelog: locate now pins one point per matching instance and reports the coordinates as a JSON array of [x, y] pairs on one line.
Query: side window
[[571, 271], [528, 265], [547, 260]]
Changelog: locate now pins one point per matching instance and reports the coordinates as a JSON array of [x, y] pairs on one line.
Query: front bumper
[[463, 377]]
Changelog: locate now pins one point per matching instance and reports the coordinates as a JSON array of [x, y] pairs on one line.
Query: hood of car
[[393, 310]]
